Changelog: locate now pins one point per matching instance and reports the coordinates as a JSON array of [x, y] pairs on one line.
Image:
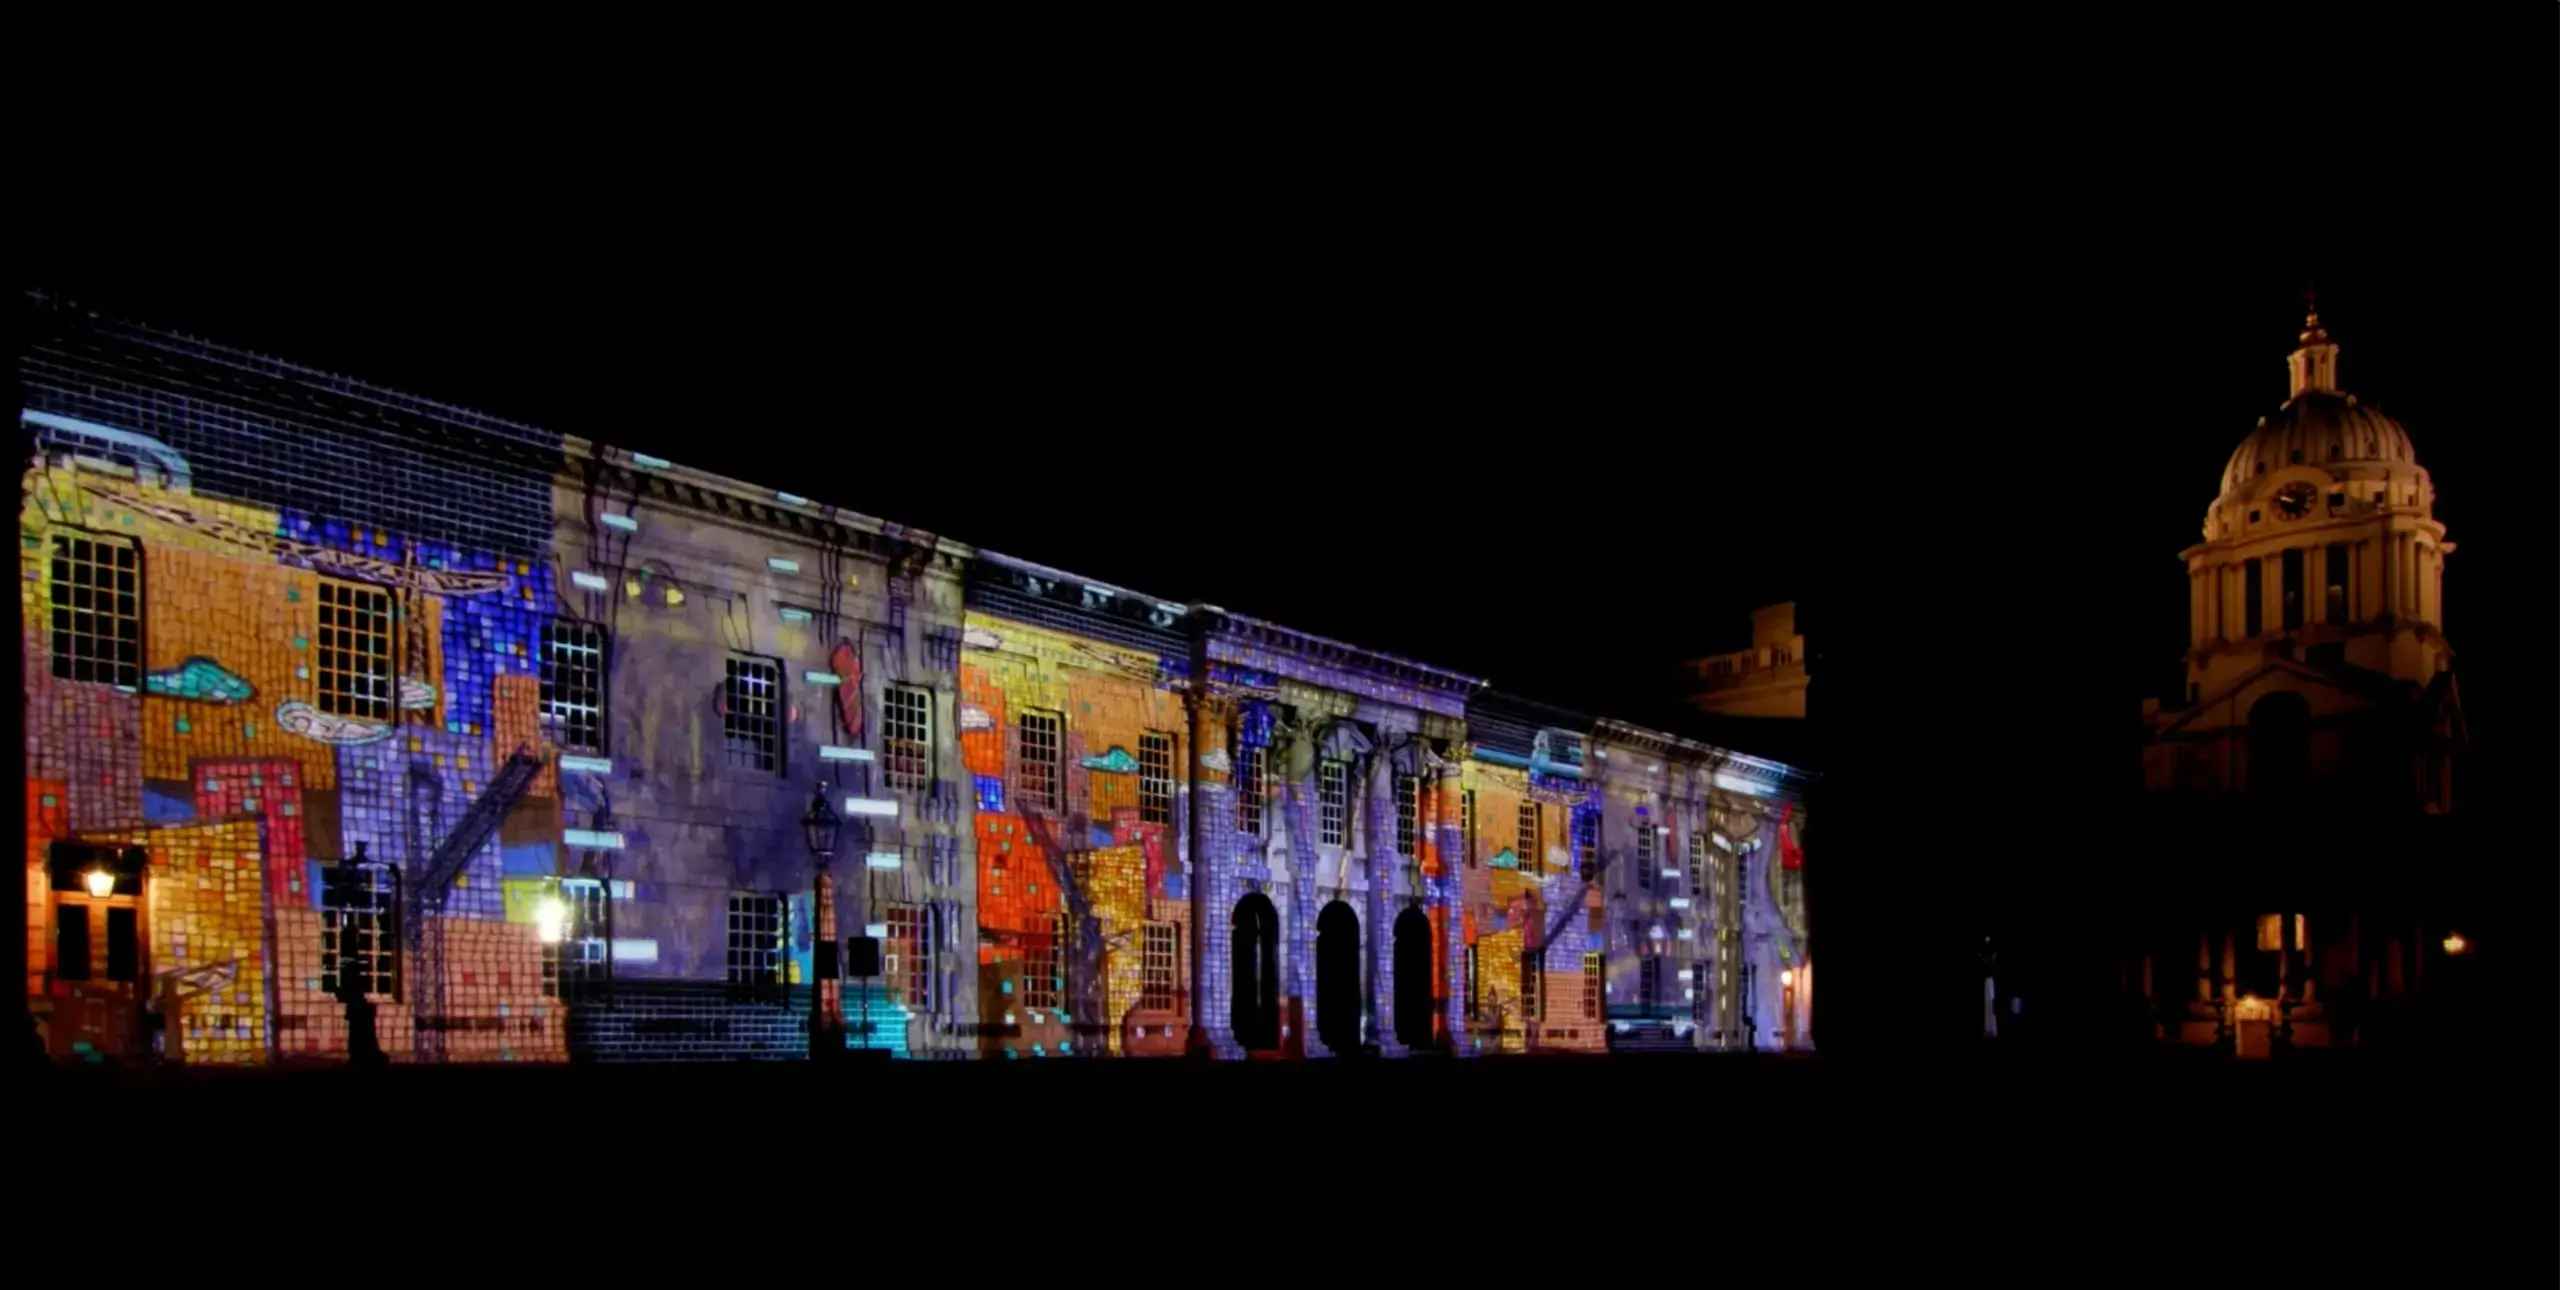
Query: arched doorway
[[1253, 996], [1413, 977], [2279, 743], [1338, 978]]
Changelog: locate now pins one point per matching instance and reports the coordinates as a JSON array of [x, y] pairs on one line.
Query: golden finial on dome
[[2312, 332]]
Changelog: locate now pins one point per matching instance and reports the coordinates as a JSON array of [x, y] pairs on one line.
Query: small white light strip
[[622, 522], [1747, 788], [592, 765], [870, 806], [791, 499], [589, 581], [884, 860], [838, 752], [1679, 902], [646, 462], [780, 565], [641, 951], [794, 614], [876, 931], [592, 840], [1670, 872], [822, 678]]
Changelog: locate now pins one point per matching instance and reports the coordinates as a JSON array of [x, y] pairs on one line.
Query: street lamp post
[[826, 994]]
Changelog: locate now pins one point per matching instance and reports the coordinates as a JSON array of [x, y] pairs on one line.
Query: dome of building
[[2317, 428]]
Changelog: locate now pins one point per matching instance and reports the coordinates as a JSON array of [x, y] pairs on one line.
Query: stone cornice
[[719, 499]]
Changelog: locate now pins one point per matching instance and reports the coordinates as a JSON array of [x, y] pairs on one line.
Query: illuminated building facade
[[2302, 790], [335, 692]]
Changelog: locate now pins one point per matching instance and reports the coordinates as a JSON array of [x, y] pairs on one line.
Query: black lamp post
[[826, 994]]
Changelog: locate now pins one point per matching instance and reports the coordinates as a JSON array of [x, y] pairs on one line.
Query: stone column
[[1207, 713]]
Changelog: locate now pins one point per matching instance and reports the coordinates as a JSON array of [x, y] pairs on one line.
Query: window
[[755, 940], [1530, 972], [2337, 583], [584, 931], [1646, 861], [359, 929], [1041, 737], [2253, 598], [751, 714], [906, 746], [1532, 815], [1471, 979], [1467, 823], [1155, 777], [355, 651], [2293, 590], [1697, 863], [908, 958], [71, 941], [1586, 839], [1408, 814], [1251, 788], [1591, 982], [97, 610], [1155, 992], [124, 945], [573, 683], [1040, 969], [1791, 889], [1649, 983], [1333, 801]]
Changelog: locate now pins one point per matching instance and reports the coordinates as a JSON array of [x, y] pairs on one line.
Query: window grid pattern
[[1155, 777], [755, 939], [573, 683], [1250, 790], [1467, 825], [1647, 858], [360, 931], [1532, 815], [1041, 966], [909, 954], [355, 651], [1649, 983], [1697, 863], [582, 947], [1586, 839], [1592, 978], [1530, 973], [1408, 813], [906, 736], [97, 611], [751, 714], [1333, 802], [1041, 737], [1156, 985]]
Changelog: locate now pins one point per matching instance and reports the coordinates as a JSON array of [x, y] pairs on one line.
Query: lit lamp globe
[[2454, 943], [101, 883], [1787, 976]]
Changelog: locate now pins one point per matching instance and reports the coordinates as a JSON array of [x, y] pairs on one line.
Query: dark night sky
[[1951, 342]]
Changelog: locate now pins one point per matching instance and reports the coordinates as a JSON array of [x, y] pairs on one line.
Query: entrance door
[[1413, 978], [1338, 978], [1253, 983]]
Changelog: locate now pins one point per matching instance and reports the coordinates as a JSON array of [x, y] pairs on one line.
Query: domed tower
[[2322, 546], [2316, 651]]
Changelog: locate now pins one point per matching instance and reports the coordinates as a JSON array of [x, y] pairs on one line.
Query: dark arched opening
[[1338, 978], [2279, 743], [1413, 978], [1253, 996]]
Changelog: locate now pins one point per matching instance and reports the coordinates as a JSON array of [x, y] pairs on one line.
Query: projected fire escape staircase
[[433, 881]]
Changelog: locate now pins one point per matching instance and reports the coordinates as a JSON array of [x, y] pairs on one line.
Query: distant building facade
[[526, 742], [2303, 789], [1766, 680]]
